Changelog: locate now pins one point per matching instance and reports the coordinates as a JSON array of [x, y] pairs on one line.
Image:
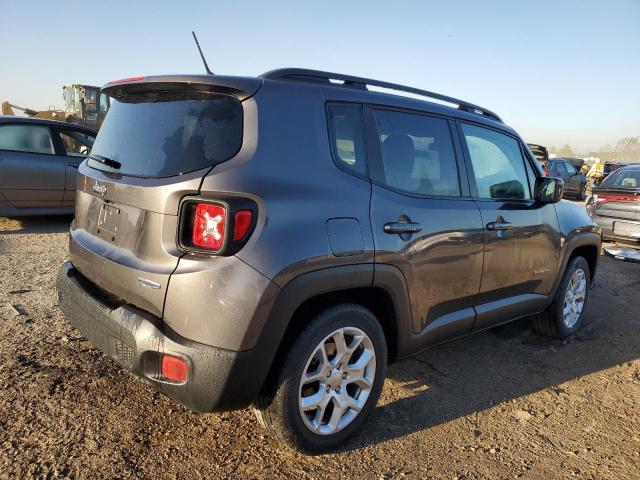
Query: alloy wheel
[[574, 298], [337, 381]]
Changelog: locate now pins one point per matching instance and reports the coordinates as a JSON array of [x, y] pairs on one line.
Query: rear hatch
[[617, 202], [618, 195], [162, 135]]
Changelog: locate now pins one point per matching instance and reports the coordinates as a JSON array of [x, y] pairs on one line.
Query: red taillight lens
[[242, 224], [209, 226], [216, 227], [603, 198], [174, 368], [126, 80]]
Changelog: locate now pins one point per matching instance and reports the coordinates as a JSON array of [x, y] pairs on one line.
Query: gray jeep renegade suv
[[277, 241]]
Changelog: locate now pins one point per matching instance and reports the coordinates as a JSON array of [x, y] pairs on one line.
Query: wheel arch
[[306, 296], [586, 245], [590, 253]]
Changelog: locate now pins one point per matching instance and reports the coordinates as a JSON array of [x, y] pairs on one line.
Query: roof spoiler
[[539, 151], [240, 87]]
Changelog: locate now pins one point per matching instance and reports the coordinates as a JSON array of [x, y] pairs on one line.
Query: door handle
[[499, 225], [402, 227]]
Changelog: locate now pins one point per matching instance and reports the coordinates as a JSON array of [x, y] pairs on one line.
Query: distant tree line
[[626, 149]]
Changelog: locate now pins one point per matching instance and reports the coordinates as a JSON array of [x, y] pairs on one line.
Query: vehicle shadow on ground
[[39, 224], [474, 373]]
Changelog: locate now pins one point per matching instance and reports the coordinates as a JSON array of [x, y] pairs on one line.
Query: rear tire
[[565, 315], [327, 387]]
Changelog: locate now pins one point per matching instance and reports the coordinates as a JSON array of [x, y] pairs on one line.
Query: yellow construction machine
[[83, 105]]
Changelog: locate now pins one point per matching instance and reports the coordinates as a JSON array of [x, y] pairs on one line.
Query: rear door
[[521, 237], [573, 180], [31, 175], [424, 221], [73, 146]]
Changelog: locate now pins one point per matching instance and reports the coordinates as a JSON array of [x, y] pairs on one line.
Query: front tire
[[329, 383], [565, 315]]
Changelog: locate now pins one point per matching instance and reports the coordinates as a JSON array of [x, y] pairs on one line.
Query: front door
[[31, 175], [73, 146], [522, 242], [424, 221]]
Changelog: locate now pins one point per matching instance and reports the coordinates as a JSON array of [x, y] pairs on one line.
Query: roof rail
[[317, 76]]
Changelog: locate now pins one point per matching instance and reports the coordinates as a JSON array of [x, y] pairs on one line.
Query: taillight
[[216, 227], [602, 198], [209, 226]]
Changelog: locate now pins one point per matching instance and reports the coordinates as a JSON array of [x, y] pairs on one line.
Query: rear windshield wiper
[[105, 161]]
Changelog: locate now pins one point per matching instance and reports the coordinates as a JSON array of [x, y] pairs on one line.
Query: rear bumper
[[218, 379], [607, 226]]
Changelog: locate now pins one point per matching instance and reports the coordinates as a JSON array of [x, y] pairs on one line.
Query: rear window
[[623, 178], [162, 134], [610, 167]]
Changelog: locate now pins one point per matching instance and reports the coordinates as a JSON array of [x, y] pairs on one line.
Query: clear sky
[[557, 71]]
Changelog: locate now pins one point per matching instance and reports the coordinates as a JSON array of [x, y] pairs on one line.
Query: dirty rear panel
[[125, 240]]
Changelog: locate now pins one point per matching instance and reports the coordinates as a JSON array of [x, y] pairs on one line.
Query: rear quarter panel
[[297, 187]]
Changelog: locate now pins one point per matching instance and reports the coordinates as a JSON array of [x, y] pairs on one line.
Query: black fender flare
[[573, 241], [318, 282]]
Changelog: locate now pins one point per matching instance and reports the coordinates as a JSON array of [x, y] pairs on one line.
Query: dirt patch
[[501, 404]]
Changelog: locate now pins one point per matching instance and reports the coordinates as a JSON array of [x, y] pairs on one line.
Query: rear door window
[[76, 144], [26, 138], [163, 134], [558, 169], [417, 154]]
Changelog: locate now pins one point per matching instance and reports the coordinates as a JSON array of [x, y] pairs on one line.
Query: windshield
[[623, 178], [163, 134], [69, 97], [90, 100]]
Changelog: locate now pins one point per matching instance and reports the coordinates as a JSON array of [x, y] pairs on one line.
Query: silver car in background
[[38, 163], [615, 205]]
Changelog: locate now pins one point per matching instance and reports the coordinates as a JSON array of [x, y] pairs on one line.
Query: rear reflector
[[209, 226], [242, 224], [174, 368]]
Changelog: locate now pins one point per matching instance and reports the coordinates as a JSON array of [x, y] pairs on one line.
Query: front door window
[[498, 165]]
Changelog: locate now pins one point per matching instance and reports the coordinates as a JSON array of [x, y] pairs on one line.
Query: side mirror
[[549, 189]]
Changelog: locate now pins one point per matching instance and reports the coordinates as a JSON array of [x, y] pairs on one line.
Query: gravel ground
[[501, 404]]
